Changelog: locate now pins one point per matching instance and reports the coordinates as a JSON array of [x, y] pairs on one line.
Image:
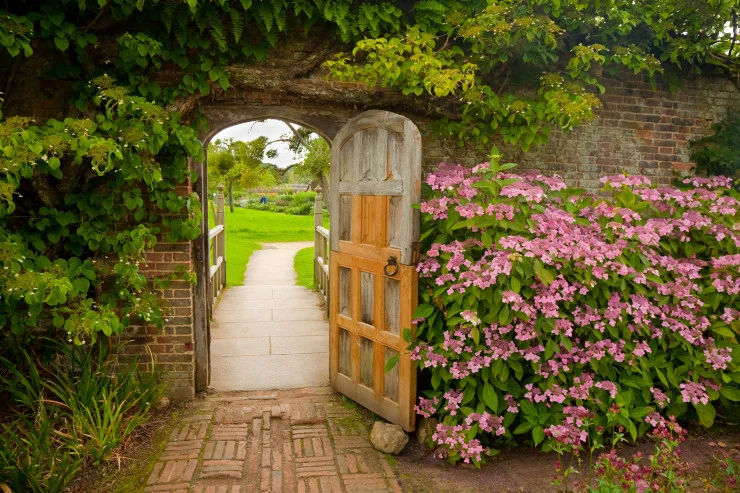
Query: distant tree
[[231, 161], [314, 166]]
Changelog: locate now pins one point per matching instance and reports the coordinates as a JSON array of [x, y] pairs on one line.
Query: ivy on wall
[[81, 199]]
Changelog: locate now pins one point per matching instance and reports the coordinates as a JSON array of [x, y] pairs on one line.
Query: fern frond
[[430, 7], [280, 14], [168, 15], [201, 17], [237, 24], [264, 14], [217, 29], [181, 29]]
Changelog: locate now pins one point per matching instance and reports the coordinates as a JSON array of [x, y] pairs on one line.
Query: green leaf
[[392, 361], [523, 428], [730, 393], [62, 43], [538, 434], [528, 407], [706, 413], [516, 284], [542, 273], [490, 397], [436, 380], [423, 311]]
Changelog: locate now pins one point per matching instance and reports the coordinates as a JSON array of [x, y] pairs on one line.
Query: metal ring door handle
[[392, 263]]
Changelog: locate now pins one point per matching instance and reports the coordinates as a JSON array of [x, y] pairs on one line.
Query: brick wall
[[639, 130], [170, 348]]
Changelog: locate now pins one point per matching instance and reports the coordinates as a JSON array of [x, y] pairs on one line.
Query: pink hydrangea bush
[[551, 312]]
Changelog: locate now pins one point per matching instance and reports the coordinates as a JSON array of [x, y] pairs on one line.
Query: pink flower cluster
[[577, 299]]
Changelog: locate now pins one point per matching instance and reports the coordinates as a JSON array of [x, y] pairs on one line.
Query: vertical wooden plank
[[390, 389], [412, 192], [345, 217], [347, 169], [392, 308], [394, 221], [367, 298], [202, 299], [333, 317], [395, 154], [345, 291], [345, 356], [358, 158], [374, 163], [381, 221], [367, 362], [355, 302], [357, 226]]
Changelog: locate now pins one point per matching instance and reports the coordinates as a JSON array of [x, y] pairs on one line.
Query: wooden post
[[318, 220], [220, 204], [221, 246]]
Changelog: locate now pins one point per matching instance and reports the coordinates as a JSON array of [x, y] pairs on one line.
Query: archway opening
[[268, 329]]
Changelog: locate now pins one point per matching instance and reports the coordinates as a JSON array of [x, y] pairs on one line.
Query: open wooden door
[[375, 180]]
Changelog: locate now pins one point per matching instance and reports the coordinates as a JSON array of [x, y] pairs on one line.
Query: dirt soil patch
[[529, 470]]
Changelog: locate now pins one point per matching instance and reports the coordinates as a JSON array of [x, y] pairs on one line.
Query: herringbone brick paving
[[300, 440]]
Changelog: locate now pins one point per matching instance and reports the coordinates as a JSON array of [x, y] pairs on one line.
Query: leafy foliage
[[468, 53], [567, 317], [719, 154]]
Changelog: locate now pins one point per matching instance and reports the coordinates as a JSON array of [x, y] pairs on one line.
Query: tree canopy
[[235, 161]]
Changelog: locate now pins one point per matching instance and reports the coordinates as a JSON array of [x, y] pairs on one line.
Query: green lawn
[[303, 265], [246, 229]]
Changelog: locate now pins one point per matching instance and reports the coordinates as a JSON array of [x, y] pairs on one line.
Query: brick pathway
[[300, 440]]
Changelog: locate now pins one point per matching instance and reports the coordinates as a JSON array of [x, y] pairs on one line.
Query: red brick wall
[[639, 130]]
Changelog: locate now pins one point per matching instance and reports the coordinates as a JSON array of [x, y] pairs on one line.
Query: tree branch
[[297, 134], [734, 33]]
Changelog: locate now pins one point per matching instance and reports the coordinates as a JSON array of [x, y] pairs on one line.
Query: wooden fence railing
[[217, 246], [320, 250]]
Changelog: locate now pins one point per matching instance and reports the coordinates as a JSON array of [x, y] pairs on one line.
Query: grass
[[303, 265], [246, 229]]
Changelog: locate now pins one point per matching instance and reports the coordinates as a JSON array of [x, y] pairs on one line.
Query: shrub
[[551, 312], [297, 204], [70, 410], [718, 154]]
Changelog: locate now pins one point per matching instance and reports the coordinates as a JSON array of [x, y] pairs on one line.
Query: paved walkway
[[301, 440], [270, 333]]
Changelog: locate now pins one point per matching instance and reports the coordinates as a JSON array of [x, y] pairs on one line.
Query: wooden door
[[375, 181]]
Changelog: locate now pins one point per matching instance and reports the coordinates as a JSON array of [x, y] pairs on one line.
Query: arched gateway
[[376, 177]]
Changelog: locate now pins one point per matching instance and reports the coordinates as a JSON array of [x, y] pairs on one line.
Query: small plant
[[725, 479], [663, 471], [70, 409]]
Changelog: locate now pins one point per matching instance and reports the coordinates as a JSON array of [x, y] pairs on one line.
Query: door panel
[[376, 175]]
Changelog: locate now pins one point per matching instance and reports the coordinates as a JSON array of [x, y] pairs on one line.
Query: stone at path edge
[[388, 438]]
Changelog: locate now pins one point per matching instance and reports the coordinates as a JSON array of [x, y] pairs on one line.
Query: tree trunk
[[231, 196]]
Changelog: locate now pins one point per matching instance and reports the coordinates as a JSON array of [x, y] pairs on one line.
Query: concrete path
[[289, 441], [270, 333]]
